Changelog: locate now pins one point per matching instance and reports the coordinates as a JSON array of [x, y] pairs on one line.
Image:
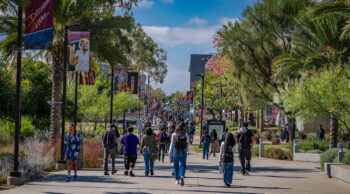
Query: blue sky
[[185, 27]]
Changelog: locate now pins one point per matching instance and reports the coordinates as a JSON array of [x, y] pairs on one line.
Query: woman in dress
[[72, 150]]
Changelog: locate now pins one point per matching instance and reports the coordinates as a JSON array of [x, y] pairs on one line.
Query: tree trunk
[[251, 118], [262, 121], [235, 119], [291, 128], [257, 120], [95, 127], [241, 119], [56, 94], [333, 132]]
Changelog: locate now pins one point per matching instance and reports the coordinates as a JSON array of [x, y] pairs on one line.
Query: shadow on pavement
[[273, 176], [277, 169], [95, 179]]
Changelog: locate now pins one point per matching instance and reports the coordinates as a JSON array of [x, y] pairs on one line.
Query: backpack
[[228, 155], [107, 140], [161, 138], [206, 140], [192, 130], [180, 141], [245, 140]]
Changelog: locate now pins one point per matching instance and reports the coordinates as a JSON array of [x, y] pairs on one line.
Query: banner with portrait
[[38, 24], [79, 55], [121, 79], [133, 80]]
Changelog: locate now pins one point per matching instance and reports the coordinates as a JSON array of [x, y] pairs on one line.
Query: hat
[[113, 125]]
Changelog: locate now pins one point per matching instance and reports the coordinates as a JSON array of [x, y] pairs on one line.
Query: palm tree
[[108, 40]]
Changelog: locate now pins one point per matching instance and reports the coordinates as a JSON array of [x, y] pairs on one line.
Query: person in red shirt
[[162, 139]]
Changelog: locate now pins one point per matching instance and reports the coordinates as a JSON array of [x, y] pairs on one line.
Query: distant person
[[191, 130], [110, 146], [179, 150], [162, 138], [245, 139], [227, 158], [139, 126], [149, 150], [130, 142], [214, 141], [206, 143], [72, 151], [223, 136], [320, 133], [285, 134]]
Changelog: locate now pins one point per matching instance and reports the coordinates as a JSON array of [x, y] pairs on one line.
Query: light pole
[[202, 106]]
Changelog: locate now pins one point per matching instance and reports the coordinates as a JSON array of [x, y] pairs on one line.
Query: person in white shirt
[[81, 56], [180, 142]]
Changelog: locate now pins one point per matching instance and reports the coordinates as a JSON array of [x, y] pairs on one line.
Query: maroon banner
[[133, 79], [38, 24], [189, 95]]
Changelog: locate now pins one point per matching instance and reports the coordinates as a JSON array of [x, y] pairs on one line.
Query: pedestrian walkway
[[268, 176]]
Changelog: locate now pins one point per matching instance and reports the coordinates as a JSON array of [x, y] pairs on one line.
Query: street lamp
[[202, 106]]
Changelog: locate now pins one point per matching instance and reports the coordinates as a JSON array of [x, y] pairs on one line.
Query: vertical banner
[[121, 79], [79, 47], [133, 80], [142, 86], [38, 24], [189, 95]]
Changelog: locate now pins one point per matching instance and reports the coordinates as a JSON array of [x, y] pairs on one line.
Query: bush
[[328, 156], [255, 151], [93, 154], [346, 159], [267, 135], [275, 153], [277, 134], [312, 143]]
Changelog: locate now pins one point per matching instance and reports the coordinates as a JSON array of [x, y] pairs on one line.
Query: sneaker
[[247, 173], [228, 185], [146, 174], [172, 174], [182, 181], [75, 177], [131, 174], [126, 173], [68, 179], [114, 171], [106, 173], [152, 173], [177, 182]]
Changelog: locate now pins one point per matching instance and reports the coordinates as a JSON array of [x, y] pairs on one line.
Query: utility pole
[[202, 106], [112, 94]]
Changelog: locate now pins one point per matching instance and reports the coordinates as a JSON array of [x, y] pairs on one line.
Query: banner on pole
[[133, 80], [189, 95], [38, 24], [121, 79], [142, 85], [79, 55]]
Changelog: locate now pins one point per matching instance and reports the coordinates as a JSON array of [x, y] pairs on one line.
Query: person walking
[[130, 142], [149, 150], [179, 150], [162, 140], [110, 146], [206, 143], [245, 138], [285, 134], [320, 133], [191, 130], [213, 142], [227, 158], [72, 151]]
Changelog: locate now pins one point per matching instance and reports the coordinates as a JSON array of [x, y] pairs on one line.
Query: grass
[[197, 149]]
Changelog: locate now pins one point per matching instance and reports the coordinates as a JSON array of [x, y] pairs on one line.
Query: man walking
[[110, 145], [130, 142], [162, 140], [245, 138]]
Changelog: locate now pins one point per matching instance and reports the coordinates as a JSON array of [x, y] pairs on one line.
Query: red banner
[[189, 95]]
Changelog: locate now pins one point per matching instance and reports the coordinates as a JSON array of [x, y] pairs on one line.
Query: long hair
[[149, 131], [229, 140]]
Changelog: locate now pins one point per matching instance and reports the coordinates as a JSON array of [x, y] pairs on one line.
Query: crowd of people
[[174, 134]]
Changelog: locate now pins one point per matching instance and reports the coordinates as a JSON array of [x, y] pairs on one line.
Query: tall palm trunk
[[333, 132], [56, 94], [291, 128]]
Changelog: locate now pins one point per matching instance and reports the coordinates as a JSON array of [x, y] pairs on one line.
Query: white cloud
[[176, 36], [224, 21], [198, 21], [145, 4]]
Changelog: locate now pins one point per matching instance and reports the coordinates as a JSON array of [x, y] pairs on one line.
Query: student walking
[[162, 140], [214, 142], [206, 143], [130, 142], [191, 130], [149, 150], [72, 151], [320, 133], [244, 137], [227, 158], [110, 146], [179, 150]]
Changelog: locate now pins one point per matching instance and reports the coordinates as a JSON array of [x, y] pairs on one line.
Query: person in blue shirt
[[72, 150], [320, 133]]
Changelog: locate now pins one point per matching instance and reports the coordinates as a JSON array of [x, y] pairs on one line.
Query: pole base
[[15, 179], [61, 165]]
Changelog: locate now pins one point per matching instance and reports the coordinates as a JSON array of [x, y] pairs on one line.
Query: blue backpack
[[206, 141]]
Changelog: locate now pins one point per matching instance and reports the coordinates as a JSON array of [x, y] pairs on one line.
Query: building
[[197, 66]]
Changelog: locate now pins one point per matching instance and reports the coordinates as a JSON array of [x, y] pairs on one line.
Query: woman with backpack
[[178, 151], [227, 158], [72, 151], [213, 142], [206, 143], [162, 140], [149, 149]]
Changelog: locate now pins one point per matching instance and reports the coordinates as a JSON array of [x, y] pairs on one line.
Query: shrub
[[267, 135], [346, 159], [302, 135], [277, 134], [328, 156], [275, 153], [255, 151], [93, 154], [312, 143]]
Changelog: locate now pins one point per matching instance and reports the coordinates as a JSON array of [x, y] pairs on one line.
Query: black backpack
[[107, 139], [180, 141], [245, 140], [228, 155]]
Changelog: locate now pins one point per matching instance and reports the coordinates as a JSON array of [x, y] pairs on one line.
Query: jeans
[[227, 171], [108, 152], [149, 164], [179, 158], [191, 139], [161, 151], [205, 151], [245, 155]]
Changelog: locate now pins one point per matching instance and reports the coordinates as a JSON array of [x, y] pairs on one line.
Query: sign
[[121, 79], [79, 55], [189, 96], [38, 24], [219, 127], [133, 79]]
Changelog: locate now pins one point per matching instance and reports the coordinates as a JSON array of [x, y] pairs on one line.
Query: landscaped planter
[[307, 157]]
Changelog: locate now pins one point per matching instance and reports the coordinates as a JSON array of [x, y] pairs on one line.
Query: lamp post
[[202, 106]]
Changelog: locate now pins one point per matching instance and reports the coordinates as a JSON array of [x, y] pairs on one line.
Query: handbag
[[220, 169]]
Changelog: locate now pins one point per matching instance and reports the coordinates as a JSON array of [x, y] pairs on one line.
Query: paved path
[[268, 176]]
